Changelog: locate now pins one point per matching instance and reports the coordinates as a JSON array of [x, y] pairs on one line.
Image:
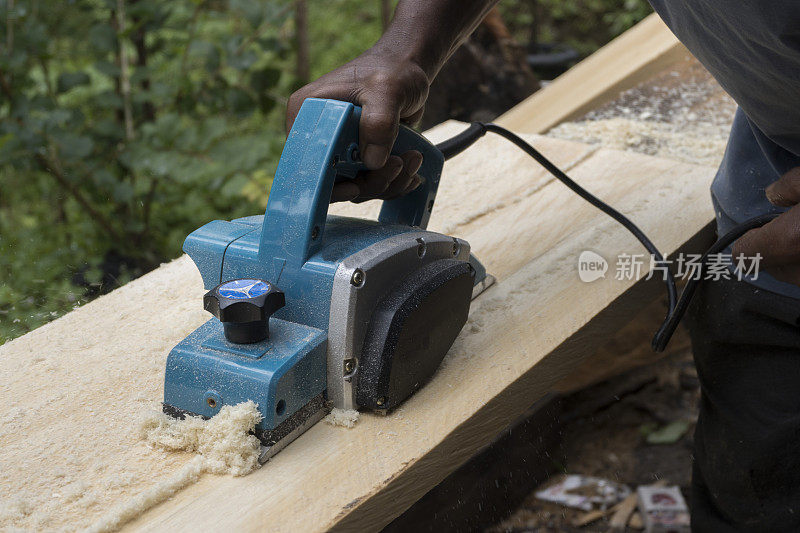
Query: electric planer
[[313, 311]]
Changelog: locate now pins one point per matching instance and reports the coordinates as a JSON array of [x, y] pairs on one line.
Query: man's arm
[[390, 81]]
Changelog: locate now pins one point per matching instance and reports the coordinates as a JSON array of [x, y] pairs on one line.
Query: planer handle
[[322, 148]]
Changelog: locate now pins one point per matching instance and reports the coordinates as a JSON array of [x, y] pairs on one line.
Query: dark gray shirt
[[752, 48]]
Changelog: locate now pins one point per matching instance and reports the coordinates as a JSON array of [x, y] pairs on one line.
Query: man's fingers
[[412, 160], [786, 191], [778, 241], [416, 182], [345, 191], [374, 183]]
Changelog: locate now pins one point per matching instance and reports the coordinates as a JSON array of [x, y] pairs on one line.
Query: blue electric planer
[[313, 311]]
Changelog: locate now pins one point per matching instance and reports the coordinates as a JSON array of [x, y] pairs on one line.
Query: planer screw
[[358, 277], [381, 401], [349, 366]]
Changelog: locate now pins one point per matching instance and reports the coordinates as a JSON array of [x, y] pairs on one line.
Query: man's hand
[[389, 89], [390, 82], [778, 242]]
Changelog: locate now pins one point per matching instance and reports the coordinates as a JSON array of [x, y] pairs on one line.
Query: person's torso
[[752, 48]]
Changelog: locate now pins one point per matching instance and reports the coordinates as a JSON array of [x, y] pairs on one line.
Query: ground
[[606, 428]]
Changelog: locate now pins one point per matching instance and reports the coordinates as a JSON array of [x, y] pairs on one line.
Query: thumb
[[378, 131], [786, 191], [378, 126]]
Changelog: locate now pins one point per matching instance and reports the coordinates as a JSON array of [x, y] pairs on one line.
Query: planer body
[[315, 310]]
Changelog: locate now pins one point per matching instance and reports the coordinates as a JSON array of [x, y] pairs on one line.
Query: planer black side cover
[[411, 330]]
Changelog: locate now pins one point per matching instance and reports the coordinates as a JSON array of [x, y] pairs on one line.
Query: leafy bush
[[122, 125], [585, 25], [126, 124]]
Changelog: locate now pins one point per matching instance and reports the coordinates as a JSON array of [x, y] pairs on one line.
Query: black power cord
[[676, 306]]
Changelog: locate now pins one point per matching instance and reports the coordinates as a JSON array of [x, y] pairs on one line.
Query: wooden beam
[[523, 336], [75, 388], [483, 491], [631, 58]]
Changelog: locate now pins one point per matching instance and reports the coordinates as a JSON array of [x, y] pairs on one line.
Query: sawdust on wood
[[680, 114], [702, 144], [342, 417], [224, 444]]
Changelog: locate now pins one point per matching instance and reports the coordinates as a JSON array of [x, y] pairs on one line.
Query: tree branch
[[192, 32], [6, 82], [302, 70], [53, 167], [124, 75], [139, 43], [9, 27]]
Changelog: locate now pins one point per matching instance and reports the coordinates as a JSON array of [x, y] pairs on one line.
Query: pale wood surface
[[523, 335], [77, 386], [631, 58], [75, 389]]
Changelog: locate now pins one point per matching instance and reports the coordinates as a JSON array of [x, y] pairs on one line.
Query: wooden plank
[[484, 490], [631, 58], [75, 388], [630, 347]]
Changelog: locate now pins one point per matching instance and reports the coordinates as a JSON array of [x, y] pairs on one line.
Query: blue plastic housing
[[280, 374], [296, 246]]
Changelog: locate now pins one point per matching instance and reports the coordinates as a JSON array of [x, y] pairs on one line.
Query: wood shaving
[[342, 417], [225, 442]]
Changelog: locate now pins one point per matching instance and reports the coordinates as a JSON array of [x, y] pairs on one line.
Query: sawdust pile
[[342, 417], [682, 114], [702, 144], [224, 442], [224, 445]]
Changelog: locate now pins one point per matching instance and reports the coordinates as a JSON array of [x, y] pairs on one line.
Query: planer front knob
[[244, 307]]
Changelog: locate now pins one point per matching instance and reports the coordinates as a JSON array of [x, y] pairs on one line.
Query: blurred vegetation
[[125, 124], [585, 25]]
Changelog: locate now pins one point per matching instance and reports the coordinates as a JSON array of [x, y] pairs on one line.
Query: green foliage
[[585, 25], [123, 126], [341, 31], [126, 124]]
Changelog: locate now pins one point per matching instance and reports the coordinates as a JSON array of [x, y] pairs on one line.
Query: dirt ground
[[607, 426]]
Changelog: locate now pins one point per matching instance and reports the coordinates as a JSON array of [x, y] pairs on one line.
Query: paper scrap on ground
[[584, 492]]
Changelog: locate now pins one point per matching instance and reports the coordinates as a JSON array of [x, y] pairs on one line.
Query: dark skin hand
[[390, 82], [778, 242]]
